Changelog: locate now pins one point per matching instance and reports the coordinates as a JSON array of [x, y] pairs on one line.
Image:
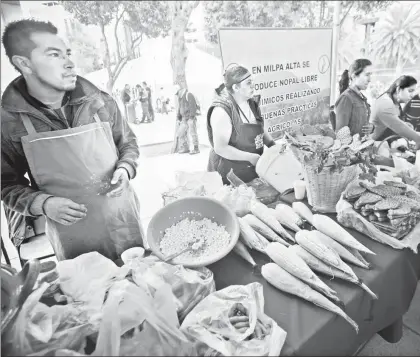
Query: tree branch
[[347, 12], [119, 68], [117, 41], [133, 42]]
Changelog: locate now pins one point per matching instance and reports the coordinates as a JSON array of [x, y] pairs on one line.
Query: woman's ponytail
[[344, 82]]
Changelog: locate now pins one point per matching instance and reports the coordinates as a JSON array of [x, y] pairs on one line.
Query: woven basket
[[325, 188]]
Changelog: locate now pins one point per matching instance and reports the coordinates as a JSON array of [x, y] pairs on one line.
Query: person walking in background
[[150, 104], [127, 98], [352, 108], [144, 100], [137, 95], [187, 118], [164, 101]]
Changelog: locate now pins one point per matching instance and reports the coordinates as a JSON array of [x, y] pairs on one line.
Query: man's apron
[[78, 164]]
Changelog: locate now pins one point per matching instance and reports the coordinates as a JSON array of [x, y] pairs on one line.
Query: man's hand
[[121, 180], [64, 211], [253, 159]]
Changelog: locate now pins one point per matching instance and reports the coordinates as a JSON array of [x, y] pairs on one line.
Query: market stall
[[313, 331], [243, 271]]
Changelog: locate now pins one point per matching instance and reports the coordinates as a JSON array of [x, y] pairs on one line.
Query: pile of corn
[[214, 239]]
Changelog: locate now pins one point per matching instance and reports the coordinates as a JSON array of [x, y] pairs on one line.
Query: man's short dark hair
[[17, 37]]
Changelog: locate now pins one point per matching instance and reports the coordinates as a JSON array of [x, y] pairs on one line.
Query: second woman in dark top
[[352, 108]]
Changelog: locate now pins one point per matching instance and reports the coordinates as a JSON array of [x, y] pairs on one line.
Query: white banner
[[291, 70]]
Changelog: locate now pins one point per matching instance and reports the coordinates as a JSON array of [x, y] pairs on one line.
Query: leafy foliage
[[396, 40], [85, 53], [318, 157], [281, 13], [144, 18]]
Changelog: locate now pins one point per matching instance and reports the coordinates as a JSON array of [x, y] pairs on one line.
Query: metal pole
[[336, 35]]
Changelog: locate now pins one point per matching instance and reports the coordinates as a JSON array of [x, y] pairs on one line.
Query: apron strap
[[97, 120], [28, 124]]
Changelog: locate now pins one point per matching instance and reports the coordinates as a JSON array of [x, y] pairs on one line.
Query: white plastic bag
[[135, 324], [237, 198], [209, 323], [87, 278], [39, 330], [211, 181]]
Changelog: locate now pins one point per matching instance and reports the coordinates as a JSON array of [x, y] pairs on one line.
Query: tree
[[180, 15], [396, 40], [143, 18], [85, 53], [281, 13]]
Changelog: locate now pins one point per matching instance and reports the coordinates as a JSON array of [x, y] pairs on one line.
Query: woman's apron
[[78, 164], [249, 138]]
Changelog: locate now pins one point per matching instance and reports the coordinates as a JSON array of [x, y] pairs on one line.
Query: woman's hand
[[367, 129]]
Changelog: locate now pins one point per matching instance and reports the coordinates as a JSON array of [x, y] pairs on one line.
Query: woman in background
[[236, 127], [351, 107], [387, 116]]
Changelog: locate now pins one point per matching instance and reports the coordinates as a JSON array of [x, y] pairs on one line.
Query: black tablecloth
[[312, 330]]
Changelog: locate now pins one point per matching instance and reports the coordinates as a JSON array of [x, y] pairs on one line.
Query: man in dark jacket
[[71, 141], [187, 119], [150, 104]]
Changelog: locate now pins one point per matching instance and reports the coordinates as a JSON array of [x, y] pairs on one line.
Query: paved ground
[[156, 172]]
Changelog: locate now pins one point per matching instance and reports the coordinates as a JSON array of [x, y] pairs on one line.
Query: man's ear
[[22, 63], [235, 87]]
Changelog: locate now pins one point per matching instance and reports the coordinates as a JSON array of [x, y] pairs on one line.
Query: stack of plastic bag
[[209, 322]]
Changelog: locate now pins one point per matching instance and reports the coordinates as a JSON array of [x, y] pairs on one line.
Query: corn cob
[[303, 210], [333, 230], [263, 229], [249, 237], [342, 251], [321, 251], [288, 217], [359, 256], [262, 212], [282, 280], [296, 266], [261, 237], [318, 265], [241, 250]]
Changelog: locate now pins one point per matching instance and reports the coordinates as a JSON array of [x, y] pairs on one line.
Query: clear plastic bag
[[237, 198], [188, 286], [135, 324], [349, 218], [87, 278], [39, 330], [209, 322]]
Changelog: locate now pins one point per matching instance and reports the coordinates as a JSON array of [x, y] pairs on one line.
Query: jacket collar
[[13, 101]]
